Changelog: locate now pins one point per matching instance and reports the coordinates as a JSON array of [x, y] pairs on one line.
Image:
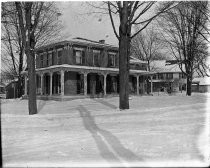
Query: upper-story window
[[49, 58], [169, 76], [78, 53], [59, 55], [160, 76], [78, 57], [111, 59], [154, 77], [96, 55], [41, 60], [182, 75]]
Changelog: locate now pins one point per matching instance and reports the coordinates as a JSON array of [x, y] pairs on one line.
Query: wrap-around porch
[[74, 80]]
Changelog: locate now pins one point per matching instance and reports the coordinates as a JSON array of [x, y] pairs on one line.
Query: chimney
[[102, 41]]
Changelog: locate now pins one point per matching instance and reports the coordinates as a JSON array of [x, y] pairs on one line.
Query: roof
[[134, 60], [80, 41], [160, 66], [202, 80], [13, 81]]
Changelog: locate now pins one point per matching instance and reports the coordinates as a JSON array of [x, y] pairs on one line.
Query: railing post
[[105, 75], [62, 82], [137, 84], [85, 83], [51, 74]]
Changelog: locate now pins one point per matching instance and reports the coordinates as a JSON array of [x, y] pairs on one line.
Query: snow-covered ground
[[155, 131]]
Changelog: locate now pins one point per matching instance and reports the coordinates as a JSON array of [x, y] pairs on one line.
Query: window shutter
[[117, 60], [74, 56], [44, 59], [83, 57], [37, 61]]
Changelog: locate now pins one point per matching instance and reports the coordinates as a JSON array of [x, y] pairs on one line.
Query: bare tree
[[48, 29], [184, 28], [147, 46], [130, 13], [34, 25]]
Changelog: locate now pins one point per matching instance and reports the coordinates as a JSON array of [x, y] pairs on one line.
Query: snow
[[156, 130]]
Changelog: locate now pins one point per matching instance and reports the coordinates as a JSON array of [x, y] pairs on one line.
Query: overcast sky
[[78, 23]]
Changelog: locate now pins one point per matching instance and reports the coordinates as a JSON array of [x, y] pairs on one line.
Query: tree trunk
[[124, 72], [189, 86], [30, 45], [124, 51], [32, 82]]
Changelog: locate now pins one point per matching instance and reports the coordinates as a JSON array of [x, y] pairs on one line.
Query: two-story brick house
[[81, 67]]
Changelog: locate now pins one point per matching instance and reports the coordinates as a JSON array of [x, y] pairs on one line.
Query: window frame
[[50, 55], [112, 55], [96, 55], [160, 76], [59, 58], [81, 50], [169, 75], [78, 57]]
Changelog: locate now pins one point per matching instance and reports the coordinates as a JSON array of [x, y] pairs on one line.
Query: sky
[[79, 23]]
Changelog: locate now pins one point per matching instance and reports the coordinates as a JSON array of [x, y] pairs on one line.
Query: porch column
[[62, 82], [151, 84], [137, 84], [105, 75], [143, 85], [85, 83], [41, 84], [51, 74], [25, 89]]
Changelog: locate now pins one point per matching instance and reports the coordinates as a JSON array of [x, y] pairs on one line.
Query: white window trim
[[80, 56]]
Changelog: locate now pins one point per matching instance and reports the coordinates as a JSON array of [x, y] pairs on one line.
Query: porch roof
[[90, 69]]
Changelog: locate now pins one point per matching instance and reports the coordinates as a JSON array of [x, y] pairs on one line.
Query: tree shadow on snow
[[41, 104], [108, 144], [105, 103]]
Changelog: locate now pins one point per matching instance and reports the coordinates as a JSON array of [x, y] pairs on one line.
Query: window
[[154, 77], [53, 57], [182, 75], [49, 58], [78, 54], [160, 76], [96, 55], [41, 60], [169, 76], [59, 56], [111, 59]]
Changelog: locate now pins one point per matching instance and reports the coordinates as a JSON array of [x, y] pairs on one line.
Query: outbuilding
[[201, 84], [12, 90]]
